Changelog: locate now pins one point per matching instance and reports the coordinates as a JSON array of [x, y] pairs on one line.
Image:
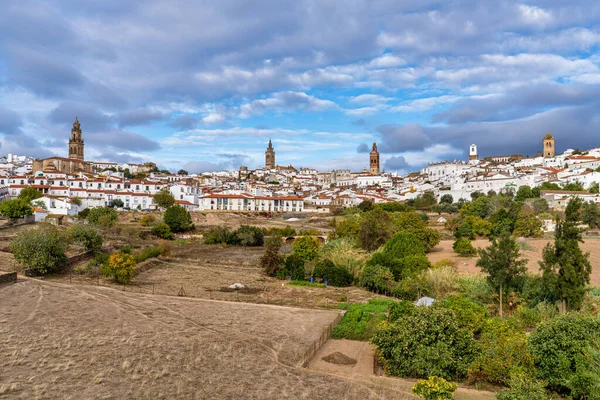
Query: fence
[[325, 335]]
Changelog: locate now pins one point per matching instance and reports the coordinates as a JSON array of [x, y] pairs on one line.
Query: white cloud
[[534, 15], [370, 99], [386, 61], [425, 103]]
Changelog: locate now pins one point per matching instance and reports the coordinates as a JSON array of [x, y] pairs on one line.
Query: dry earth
[[83, 342], [531, 250]]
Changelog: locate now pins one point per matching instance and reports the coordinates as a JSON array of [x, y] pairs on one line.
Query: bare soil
[[531, 250], [83, 342]]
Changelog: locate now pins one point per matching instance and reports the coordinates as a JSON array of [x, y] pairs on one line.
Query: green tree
[[30, 193], [565, 268], [306, 247], [102, 216], [527, 224], [335, 276], [524, 193], [294, 267], [376, 278], [88, 236], [594, 188], [365, 205], [182, 172], [435, 388], [271, 261], [463, 247], [16, 208], [446, 199], [163, 199], [116, 203], [567, 353], [120, 267], [376, 228], [178, 219], [590, 214], [503, 221], [479, 207], [425, 343], [540, 206], [502, 262], [42, 250], [523, 387]]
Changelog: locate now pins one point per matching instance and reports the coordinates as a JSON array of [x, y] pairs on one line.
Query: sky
[[203, 85]]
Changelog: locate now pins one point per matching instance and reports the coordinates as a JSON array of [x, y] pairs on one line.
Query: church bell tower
[[374, 160], [76, 142]]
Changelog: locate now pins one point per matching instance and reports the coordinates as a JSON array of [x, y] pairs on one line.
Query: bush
[[477, 288], [282, 232], [401, 309], [120, 267], [361, 320], [294, 268], [40, 250], [249, 236], [327, 271], [102, 216], [469, 314], [523, 387], [504, 351], [464, 248], [440, 282], [528, 225], [147, 220], [306, 247], [375, 229], [178, 219], [376, 278], [16, 208], [429, 237], [344, 255], [435, 388], [165, 248], [162, 231], [306, 283], [567, 354], [404, 244], [145, 254], [271, 262], [219, 235], [89, 237], [428, 342]]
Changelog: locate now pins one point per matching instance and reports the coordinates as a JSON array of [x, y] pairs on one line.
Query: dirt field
[[532, 251], [81, 342]]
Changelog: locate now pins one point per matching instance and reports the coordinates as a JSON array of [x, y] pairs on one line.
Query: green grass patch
[[182, 242], [306, 283], [361, 320], [594, 291]]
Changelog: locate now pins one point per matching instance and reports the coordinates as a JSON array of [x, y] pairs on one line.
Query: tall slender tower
[[473, 152], [270, 157], [374, 167], [548, 145], [76, 142]]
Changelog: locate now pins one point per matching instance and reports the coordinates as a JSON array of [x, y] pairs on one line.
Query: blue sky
[[203, 85]]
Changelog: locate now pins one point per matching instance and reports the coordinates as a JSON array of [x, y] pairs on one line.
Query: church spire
[[76, 142]]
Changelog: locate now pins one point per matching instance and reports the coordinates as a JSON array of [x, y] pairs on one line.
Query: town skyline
[[203, 87]]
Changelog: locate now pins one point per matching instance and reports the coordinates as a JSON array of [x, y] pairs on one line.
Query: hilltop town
[[71, 184]]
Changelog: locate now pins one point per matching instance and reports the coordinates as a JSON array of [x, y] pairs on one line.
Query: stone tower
[[374, 156], [473, 153], [548, 145], [76, 142], [270, 157]]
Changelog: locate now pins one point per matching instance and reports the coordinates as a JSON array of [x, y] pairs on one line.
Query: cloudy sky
[[203, 85]]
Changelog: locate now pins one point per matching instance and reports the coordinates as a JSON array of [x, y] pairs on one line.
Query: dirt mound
[[339, 359]]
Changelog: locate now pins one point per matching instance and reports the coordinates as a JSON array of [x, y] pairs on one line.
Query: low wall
[[8, 277], [325, 335]]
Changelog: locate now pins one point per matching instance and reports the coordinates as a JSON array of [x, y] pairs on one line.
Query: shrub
[[249, 236], [178, 219], [428, 342], [89, 237], [16, 208], [435, 388], [401, 309], [523, 387], [347, 227], [404, 244], [327, 271], [218, 235], [147, 220], [145, 254], [99, 260], [361, 320], [30, 193], [271, 262], [162, 231], [102, 216], [306, 247], [504, 351], [477, 288], [287, 231], [165, 248], [464, 248], [307, 283], [344, 255], [429, 237], [40, 250], [120, 267], [528, 225], [567, 354], [440, 282], [469, 314], [376, 278], [294, 267], [163, 199]]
